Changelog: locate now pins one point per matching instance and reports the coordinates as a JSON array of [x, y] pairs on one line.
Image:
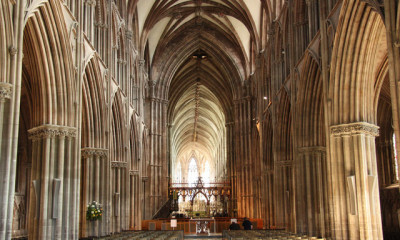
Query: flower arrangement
[[94, 211]]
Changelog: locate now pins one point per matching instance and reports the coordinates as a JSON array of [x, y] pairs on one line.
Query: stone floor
[[205, 237]]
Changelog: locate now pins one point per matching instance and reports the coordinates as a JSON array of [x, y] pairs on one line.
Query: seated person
[[247, 224], [234, 226]]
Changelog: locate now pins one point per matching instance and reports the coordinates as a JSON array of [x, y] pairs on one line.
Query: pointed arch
[[46, 42], [283, 172], [93, 111], [359, 49], [311, 164]]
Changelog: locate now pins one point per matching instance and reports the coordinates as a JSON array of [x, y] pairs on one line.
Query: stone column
[[283, 193], [88, 21], [158, 148], [355, 191], [230, 136], [313, 18], [135, 213], [145, 198], [311, 194], [53, 185], [244, 165], [93, 185], [119, 195], [5, 163]]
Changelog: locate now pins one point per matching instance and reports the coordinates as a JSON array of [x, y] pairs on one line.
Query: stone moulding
[[308, 150], [355, 128], [90, 152], [49, 130], [5, 90], [134, 172], [117, 164]]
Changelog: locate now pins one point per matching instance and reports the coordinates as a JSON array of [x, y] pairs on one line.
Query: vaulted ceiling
[[200, 54]]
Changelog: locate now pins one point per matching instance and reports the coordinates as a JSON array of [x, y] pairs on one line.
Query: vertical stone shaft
[[311, 199], [10, 92], [391, 9], [244, 165], [51, 203], [230, 165], [354, 178], [158, 164]]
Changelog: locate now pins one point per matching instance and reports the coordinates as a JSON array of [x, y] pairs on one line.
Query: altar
[[203, 225]]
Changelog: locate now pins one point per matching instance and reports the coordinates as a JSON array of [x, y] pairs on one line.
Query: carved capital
[[117, 164], [151, 83], [90, 2], [142, 62], [5, 90], [49, 131], [91, 152], [129, 34], [355, 129], [134, 172]]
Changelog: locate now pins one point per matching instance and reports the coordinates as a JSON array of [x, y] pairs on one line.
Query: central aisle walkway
[[229, 235], [204, 237]]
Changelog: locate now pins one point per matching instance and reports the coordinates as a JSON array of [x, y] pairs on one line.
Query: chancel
[[169, 119]]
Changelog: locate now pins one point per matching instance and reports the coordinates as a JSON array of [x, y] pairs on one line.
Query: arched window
[[206, 173], [179, 173], [193, 173]]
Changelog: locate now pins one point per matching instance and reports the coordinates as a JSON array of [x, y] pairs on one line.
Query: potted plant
[[94, 211]]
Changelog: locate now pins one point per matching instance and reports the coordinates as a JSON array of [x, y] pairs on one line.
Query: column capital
[[159, 100], [129, 34], [142, 62], [5, 90], [134, 172], [355, 129], [48, 130], [90, 152], [90, 3], [117, 164]]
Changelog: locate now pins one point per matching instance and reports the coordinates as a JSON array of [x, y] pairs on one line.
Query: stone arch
[[24, 157], [267, 166], [94, 147], [199, 192], [51, 66], [311, 171], [50, 75], [176, 55], [386, 155], [135, 175], [358, 52], [284, 174], [119, 184], [94, 114]]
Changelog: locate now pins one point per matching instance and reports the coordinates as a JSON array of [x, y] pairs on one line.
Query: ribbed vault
[[199, 54], [198, 125]]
